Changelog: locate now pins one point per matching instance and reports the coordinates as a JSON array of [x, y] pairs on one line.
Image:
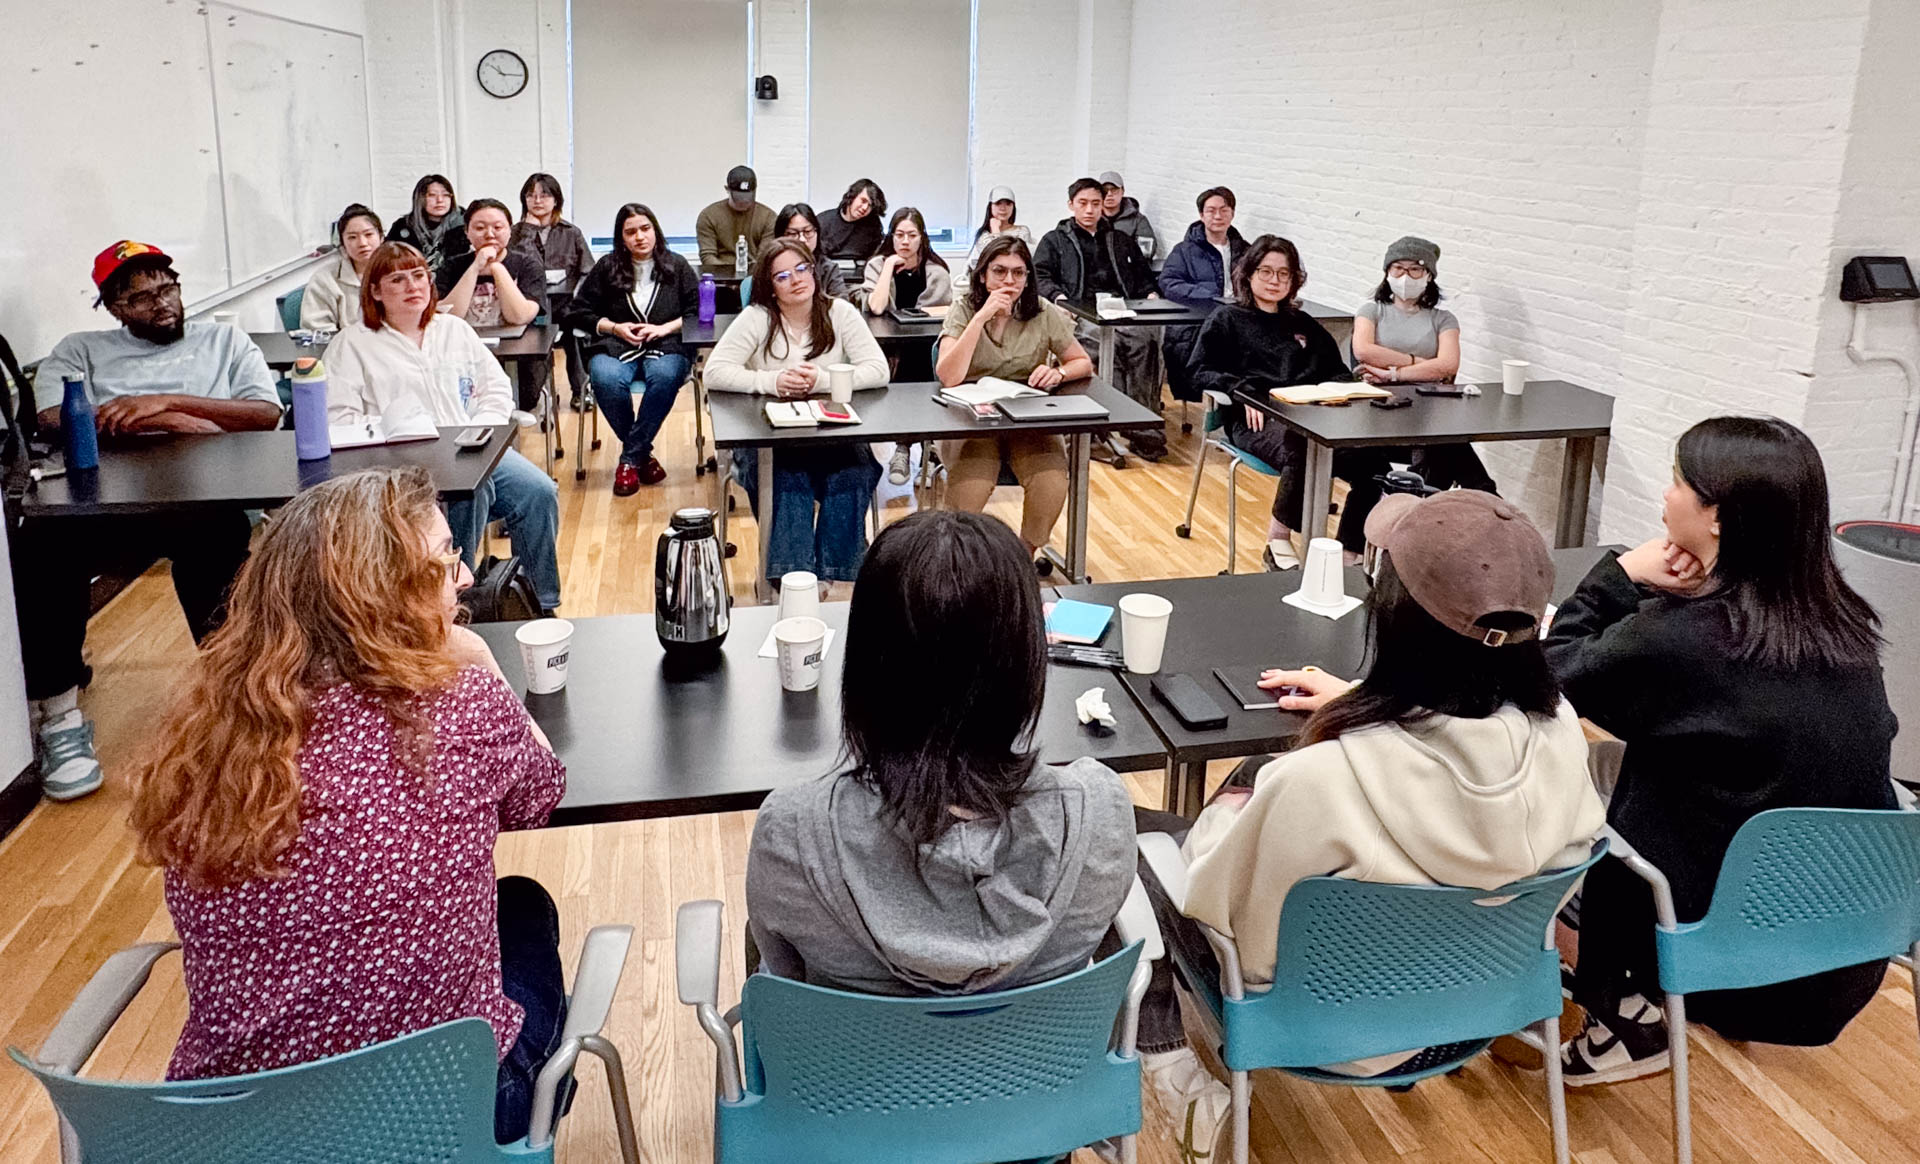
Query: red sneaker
[[652, 473], [626, 480]]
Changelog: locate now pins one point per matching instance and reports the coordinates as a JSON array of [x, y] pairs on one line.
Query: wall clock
[[502, 73]]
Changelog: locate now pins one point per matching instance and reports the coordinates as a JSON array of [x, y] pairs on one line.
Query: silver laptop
[[1053, 408]]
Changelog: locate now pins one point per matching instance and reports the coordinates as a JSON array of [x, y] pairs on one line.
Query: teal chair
[[1801, 891], [423, 1096], [1365, 969], [832, 1077], [1215, 421], [289, 305]]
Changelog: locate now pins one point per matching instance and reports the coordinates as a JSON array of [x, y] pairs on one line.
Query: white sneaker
[[900, 468], [1198, 1103], [68, 767], [1279, 556]]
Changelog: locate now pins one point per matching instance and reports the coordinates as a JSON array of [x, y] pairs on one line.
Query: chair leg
[[1193, 494], [1129, 1149], [609, 1055], [1556, 1088], [1242, 1117], [1677, 1059], [1233, 514]]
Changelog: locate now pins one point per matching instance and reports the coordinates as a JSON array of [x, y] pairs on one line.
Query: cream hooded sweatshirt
[[1473, 802]]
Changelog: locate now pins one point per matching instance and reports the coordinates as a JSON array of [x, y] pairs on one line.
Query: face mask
[[1408, 286]]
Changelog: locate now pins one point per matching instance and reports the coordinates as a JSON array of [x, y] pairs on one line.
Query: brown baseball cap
[[1464, 555]]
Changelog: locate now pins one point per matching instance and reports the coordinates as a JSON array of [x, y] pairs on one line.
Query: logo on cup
[[813, 659], [559, 660]]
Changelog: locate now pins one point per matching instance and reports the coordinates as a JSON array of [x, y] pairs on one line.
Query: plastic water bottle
[[311, 441], [706, 299], [77, 424], [740, 256]]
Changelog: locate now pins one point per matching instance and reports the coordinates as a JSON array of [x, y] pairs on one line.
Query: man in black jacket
[[1084, 257]]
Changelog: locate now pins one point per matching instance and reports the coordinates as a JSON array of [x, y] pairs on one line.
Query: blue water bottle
[[706, 298], [77, 424], [311, 441]]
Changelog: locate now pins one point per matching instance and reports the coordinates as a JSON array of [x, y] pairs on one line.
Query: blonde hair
[[342, 589]]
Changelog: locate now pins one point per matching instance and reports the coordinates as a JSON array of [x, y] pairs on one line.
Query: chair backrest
[[424, 1096], [1369, 969], [1009, 1075], [289, 305], [1802, 890]]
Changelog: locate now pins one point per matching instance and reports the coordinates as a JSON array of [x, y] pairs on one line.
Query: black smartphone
[[1440, 390], [1190, 702]]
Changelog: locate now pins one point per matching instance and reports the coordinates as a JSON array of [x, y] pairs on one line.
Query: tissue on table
[[1092, 707]]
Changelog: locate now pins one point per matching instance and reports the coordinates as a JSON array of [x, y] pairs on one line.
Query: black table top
[[247, 470], [1190, 314], [1549, 410], [908, 412], [1240, 620], [532, 344], [887, 331], [639, 743]]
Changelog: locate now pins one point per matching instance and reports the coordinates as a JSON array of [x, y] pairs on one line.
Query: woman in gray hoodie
[[946, 859]]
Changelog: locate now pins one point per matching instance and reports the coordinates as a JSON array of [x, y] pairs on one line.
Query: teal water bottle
[[77, 424]]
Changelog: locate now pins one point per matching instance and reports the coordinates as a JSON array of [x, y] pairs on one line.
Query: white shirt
[[739, 362], [1226, 268], [381, 373]]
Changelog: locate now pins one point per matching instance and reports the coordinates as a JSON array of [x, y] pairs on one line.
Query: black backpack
[[501, 592]]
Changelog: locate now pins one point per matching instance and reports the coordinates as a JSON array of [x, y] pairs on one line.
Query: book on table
[[383, 430], [1330, 392], [1072, 621], [989, 390], [809, 413], [1243, 684]]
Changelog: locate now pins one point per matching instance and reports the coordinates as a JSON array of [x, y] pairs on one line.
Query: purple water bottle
[[311, 441], [706, 298], [77, 424]]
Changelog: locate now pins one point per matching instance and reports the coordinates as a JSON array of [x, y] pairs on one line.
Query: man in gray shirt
[[156, 373]]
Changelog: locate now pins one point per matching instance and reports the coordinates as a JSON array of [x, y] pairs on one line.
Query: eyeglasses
[[451, 560], [1415, 269], [785, 277], [1216, 211], [802, 232], [1277, 274], [150, 299], [999, 271]]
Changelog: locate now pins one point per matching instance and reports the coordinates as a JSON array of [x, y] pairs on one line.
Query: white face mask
[[1408, 286]]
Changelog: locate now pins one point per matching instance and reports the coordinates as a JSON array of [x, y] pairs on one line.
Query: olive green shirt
[[1023, 346]]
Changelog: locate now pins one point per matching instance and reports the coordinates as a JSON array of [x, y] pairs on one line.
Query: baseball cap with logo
[[128, 254], [741, 180], [1464, 556]]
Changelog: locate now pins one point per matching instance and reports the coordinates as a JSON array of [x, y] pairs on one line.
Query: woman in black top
[[1261, 341], [635, 300], [797, 221], [434, 227], [1743, 674], [852, 229]]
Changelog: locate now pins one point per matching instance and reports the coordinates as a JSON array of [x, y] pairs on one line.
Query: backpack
[[501, 592]]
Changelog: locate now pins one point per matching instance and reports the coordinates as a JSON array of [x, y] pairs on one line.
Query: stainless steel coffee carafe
[[691, 602]]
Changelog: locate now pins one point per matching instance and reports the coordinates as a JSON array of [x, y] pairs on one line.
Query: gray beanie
[[1416, 249]]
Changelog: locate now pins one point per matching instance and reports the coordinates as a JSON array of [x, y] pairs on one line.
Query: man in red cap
[[157, 372]]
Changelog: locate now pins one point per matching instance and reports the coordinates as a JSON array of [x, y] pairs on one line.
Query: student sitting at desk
[[1123, 213], [404, 358], [434, 226], [332, 298], [156, 373], [635, 302], [722, 224], [495, 285], [1453, 761], [1002, 212], [1003, 329], [781, 346], [946, 859], [909, 274], [852, 229], [797, 221], [563, 254], [1199, 272], [1083, 257], [1262, 341], [325, 795]]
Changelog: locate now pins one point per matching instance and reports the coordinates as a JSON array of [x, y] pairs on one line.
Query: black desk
[[1550, 410], [535, 343], [1239, 620], [1188, 315], [639, 744], [247, 470], [908, 412]]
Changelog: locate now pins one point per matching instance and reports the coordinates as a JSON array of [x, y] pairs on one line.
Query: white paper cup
[[1322, 579], [1513, 376], [545, 644], [840, 383], [799, 594], [800, 645], [1143, 631]]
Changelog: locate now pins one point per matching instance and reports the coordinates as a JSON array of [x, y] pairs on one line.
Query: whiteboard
[[112, 133]]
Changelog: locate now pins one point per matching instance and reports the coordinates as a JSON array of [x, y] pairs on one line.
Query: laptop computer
[[1156, 306], [505, 331], [1052, 408]]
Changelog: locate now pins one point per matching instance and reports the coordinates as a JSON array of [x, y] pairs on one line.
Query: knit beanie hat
[[1414, 249]]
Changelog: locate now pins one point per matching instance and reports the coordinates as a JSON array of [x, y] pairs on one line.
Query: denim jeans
[[529, 502], [529, 975], [659, 375], [840, 479]]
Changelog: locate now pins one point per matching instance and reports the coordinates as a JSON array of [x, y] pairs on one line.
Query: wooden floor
[[74, 894]]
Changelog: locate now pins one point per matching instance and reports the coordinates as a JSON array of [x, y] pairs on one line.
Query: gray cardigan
[[939, 290]]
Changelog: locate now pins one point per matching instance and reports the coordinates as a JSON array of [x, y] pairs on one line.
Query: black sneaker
[[1628, 1046]]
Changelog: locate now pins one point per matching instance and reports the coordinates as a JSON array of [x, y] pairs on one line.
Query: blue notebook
[[1077, 622]]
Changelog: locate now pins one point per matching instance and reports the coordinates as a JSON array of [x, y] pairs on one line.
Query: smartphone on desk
[[473, 437]]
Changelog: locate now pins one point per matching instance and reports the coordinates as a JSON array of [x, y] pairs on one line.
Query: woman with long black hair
[[797, 221], [434, 225], [1744, 674]]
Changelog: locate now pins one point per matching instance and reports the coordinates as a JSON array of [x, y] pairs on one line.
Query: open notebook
[[383, 430], [1331, 392], [988, 389]]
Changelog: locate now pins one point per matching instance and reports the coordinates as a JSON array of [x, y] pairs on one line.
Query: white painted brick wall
[[780, 127], [406, 101]]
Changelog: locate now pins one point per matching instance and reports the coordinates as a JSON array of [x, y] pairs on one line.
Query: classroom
[[961, 581]]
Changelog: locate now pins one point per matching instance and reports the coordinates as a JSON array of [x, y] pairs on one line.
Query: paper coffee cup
[[545, 644], [799, 594], [800, 645], [1143, 631], [840, 382], [1323, 579], [1513, 376]]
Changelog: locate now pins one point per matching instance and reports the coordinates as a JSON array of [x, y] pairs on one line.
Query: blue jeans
[[529, 502], [529, 975], [840, 479], [660, 376]]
